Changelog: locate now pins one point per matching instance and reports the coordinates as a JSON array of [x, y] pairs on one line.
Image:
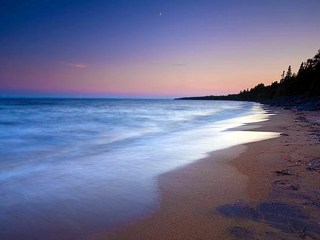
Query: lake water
[[72, 168]]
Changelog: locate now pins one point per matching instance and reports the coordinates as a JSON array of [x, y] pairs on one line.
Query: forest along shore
[[299, 90], [262, 190]]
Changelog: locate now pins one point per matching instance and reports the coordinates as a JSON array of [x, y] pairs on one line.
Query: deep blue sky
[[125, 48]]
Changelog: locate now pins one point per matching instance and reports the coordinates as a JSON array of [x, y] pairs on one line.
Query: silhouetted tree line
[[306, 82]]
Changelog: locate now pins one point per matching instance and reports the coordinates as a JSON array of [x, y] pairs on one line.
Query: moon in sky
[[160, 14]]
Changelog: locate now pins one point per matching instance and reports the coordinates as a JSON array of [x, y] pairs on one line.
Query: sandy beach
[[262, 190]]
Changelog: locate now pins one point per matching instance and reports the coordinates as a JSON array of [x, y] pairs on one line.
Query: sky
[[151, 49]]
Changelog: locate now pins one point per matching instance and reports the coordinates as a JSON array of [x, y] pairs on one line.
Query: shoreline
[[232, 193], [177, 190]]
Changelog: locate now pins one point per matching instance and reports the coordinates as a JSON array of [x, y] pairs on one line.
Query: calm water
[[72, 168]]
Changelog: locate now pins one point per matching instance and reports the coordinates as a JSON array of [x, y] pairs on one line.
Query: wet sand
[[262, 190]]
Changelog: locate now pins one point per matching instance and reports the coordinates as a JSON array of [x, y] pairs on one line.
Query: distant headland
[[299, 90]]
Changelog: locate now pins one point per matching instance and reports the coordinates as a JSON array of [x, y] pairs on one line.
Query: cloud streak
[[77, 65], [179, 64]]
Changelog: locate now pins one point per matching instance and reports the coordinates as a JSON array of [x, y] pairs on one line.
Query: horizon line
[[93, 98]]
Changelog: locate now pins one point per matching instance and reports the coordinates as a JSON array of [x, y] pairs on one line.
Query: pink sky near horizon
[[201, 75]]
